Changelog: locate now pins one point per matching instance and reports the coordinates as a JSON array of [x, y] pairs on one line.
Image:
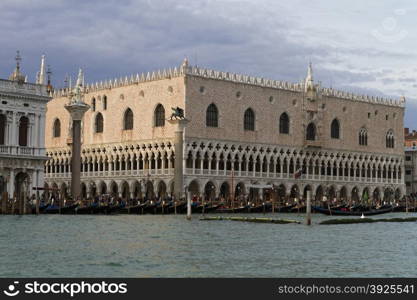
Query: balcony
[[21, 151]]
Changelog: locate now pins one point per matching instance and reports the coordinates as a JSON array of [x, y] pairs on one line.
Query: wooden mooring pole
[[308, 208]]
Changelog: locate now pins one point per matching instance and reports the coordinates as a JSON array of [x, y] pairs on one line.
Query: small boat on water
[[66, 210], [180, 207], [231, 210], [347, 212], [42, 208], [285, 209]]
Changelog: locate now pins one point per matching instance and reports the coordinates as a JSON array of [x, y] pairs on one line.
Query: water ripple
[[170, 246]]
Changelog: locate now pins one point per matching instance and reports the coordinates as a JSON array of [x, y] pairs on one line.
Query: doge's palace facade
[[244, 133]]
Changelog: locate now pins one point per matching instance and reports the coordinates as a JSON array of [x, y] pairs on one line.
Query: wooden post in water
[[37, 203], [188, 199], [308, 209], [4, 199]]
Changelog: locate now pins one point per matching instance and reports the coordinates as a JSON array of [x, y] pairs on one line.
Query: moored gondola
[[231, 210], [66, 210], [347, 212]]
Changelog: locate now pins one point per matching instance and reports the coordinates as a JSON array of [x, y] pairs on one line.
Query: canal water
[[170, 246]]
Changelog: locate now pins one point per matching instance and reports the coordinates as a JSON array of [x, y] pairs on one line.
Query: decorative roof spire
[[41, 76], [77, 94], [184, 65], [309, 84], [16, 75], [49, 85]]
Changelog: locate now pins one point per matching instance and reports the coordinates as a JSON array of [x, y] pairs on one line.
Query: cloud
[[265, 38]]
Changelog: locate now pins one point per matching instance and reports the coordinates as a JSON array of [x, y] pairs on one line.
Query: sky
[[357, 46]]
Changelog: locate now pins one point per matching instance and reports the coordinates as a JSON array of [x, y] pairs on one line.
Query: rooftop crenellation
[[184, 70]]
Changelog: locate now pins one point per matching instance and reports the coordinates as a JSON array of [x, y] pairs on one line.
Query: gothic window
[[284, 124], [212, 116], [104, 102], [93, 104], [57, 128], [363, 137], [311, 132], [159, 116], [2, 129], [128, 120], [335, 129], [23, 131], [389, 139], [99, 124], [249, 120]]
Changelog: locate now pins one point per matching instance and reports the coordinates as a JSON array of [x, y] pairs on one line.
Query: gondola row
[[170, 208]]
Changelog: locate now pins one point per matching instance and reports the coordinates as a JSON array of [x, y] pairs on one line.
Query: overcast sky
[[367, 47]]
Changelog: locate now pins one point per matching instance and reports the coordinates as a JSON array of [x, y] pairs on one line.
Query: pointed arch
[[212, 116], [249, 120], [159, 116], [128, 119], [99, 123], [311, 132], [93, 104], [284, 123], [57, 128], [389, 139], [363, 137], [335, 129], [104, 102]]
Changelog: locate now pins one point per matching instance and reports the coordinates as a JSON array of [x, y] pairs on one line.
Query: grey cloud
[[112, 38]]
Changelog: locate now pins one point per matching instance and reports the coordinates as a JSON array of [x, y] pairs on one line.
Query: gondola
[[284, 209], [150, 208], [256, 209], [51, 209], [66, 210], [133, 210], [343, 212], [230, 210], [86, 210], [112, 209], [208, 208], [42, 208], [298, 209], [180, 207]]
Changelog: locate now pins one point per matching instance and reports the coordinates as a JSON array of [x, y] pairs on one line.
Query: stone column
[[179, 153], [76, 110]]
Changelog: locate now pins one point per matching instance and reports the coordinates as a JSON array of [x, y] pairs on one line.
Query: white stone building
[[243, 131], [22, 133]]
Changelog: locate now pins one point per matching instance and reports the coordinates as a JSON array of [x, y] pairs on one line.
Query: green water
[[170, 246]]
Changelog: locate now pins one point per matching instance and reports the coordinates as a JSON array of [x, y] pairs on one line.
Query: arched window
[[249, 120], [363, 137], [2, 129], [23, 131], [335, 129], [57, 128], [159, 116], [284, 124], [311, 132], [93, 104], [212, 116], [389, 139], [128, 120], [99, 124], [104, 102]]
